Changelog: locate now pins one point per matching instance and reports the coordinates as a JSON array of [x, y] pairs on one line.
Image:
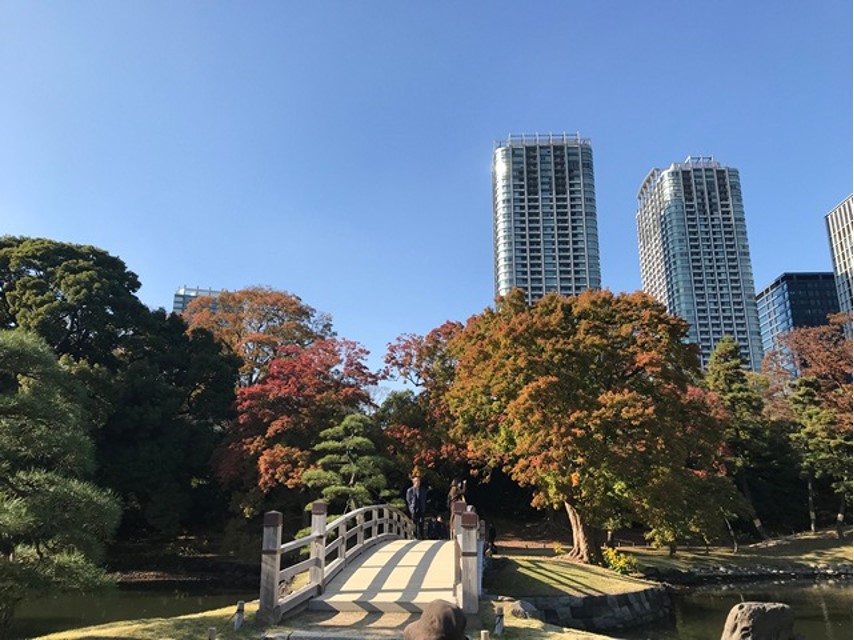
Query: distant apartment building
[[544, 215], [185, 295], [839, 226], [795, 300], [694, 254]]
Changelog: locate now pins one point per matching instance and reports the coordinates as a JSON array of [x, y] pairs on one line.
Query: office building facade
[[544, 215], [839, 224], [694, 253], [795, 300], [185, 295]]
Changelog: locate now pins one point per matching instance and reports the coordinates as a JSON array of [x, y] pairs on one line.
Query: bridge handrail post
[[318, 544], [360, 530], [271, 562], [469, 596]]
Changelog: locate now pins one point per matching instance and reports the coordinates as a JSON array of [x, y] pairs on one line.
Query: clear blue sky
[[341, 150]]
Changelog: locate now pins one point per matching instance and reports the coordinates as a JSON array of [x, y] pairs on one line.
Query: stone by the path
[[440, 621]]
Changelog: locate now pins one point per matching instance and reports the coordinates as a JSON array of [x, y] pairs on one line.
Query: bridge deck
[[401, 575]]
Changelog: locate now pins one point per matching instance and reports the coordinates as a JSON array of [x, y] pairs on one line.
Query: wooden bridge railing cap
[[318, 508], [272, 518], [459, 507], [469, 520]]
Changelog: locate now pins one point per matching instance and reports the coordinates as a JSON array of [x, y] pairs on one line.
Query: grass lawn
[[520, 576], [805, 550]]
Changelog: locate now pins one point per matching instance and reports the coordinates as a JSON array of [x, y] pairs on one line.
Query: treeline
[[250, 401]]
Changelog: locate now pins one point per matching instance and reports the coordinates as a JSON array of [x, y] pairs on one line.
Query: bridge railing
[[331, 547], [469, 557]]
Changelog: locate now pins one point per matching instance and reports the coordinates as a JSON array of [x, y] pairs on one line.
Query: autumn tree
[[592, 401], [417, 422], [256, 322], [270, 445], [53, 520]]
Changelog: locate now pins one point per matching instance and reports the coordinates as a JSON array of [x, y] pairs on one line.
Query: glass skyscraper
[[185, 295], [544, 215], [795, 300], [694, 254], [839, 226]]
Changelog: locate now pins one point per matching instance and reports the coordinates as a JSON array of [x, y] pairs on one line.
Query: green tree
[[349, 472], [53, 521], [590, 400], [757, 449], [155, 398]]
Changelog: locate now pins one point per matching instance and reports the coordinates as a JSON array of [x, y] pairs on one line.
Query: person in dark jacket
[[416, 502]]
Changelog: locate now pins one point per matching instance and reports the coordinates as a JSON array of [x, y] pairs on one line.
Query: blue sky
[[341, 150]]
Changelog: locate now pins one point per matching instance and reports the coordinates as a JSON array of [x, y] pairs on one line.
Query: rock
[[439, 621], [524, 609], [759, 621]]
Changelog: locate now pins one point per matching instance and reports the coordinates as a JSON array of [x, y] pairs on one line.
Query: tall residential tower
[[839, 231], [544, 215], [694, 254]]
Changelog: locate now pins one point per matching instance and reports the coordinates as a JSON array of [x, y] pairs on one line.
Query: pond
[[70, 611], [822, 610]]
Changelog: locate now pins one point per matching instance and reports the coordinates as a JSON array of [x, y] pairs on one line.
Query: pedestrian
[[493, 549], [416, 502], [456, 494]]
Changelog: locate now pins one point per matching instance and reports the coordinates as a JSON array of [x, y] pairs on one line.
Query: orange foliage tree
[[593, 401], [255, 322], [271, 443]]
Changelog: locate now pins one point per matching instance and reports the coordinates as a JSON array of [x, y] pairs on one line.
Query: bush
[[622, 563]]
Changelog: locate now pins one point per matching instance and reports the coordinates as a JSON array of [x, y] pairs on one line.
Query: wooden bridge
[[369, 560]]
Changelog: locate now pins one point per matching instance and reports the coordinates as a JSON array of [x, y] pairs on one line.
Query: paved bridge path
[[395, 576]]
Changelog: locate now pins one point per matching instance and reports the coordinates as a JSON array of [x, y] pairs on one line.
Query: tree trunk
[[745, 490], [811, 499], [586, 540], [840, 516], [731, 533]]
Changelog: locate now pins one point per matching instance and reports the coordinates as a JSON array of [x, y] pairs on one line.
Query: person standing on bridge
[[416, 502]]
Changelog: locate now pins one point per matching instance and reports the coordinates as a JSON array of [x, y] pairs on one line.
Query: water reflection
[[71, 611], [822, 610]]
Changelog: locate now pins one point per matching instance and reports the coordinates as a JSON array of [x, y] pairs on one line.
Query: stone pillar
[[469, 596], [271, 559], [318, 544]]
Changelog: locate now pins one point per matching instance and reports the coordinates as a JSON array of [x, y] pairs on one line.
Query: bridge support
[[468, 596], [271, 559]]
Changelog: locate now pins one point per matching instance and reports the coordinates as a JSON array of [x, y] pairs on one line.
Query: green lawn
[[801, 551]]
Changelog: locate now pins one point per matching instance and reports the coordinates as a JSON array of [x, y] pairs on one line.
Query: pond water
[[822, 610], [70, 611]]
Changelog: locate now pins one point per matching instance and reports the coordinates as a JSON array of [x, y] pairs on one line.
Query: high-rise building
[[694, 254], [839, 225], [795, 300], [185, 295], [544, 215]]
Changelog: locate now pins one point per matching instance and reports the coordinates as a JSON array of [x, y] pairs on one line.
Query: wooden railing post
[[271, 558], [360, 534], [457, 509], [318, 544], [469, 596]]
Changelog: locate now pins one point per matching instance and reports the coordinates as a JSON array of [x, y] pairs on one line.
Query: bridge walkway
[[396, 576]]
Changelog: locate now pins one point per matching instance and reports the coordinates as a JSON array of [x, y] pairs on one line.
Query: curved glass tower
[[544, 215], [694, 254]]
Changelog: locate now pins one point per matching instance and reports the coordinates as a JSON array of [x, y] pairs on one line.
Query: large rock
[[759, 621], [440, 621]]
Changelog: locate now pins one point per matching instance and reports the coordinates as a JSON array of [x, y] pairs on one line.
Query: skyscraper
[[544, 215], [795, 300], [839, 226], [694, 254], [185, 295]]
